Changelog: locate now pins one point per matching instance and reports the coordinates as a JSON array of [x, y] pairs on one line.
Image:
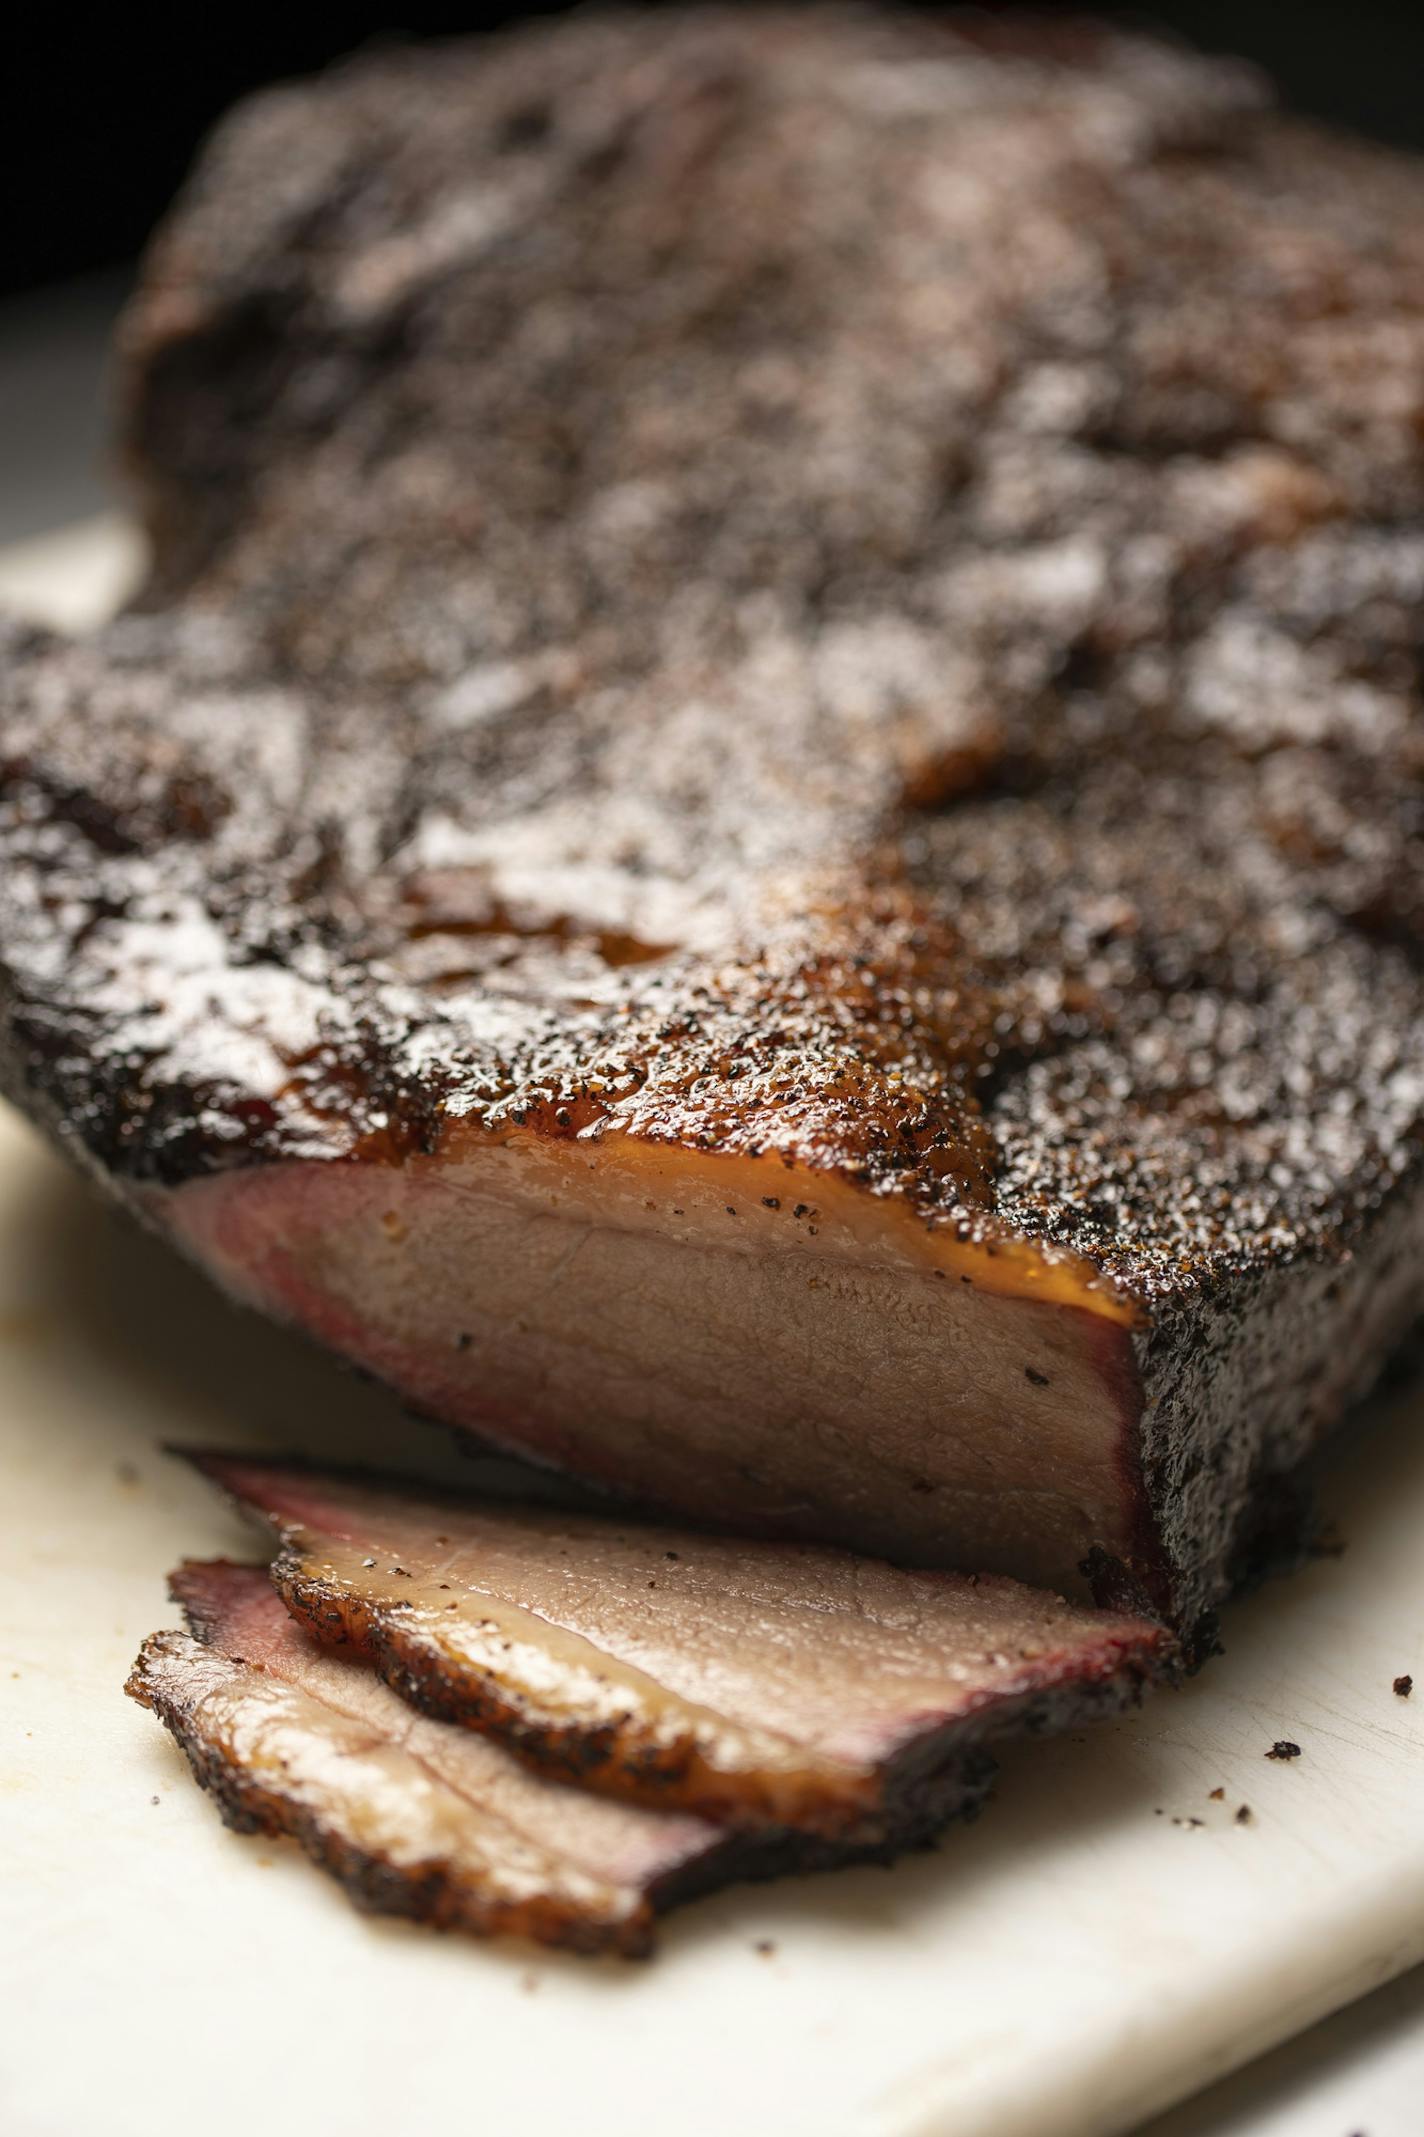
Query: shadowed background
[[100, 110]]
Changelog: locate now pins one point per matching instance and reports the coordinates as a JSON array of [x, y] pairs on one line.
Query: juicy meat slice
[[763, 832], [751, 1683], [413, 1817], [646, 1321]]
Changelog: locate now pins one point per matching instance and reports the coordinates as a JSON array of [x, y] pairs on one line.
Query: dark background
[[100, 110]]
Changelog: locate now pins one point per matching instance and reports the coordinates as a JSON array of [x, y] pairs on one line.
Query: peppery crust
[[1134, 897]]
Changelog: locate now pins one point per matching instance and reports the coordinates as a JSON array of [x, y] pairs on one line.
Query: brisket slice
[[761, 834], [414, 1817], [750, 1683]]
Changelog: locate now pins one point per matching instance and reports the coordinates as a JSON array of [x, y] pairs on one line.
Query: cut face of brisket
[[761, 834], [753, 1684]]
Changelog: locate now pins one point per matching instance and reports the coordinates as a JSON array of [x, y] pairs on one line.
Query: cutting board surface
[[1108, 1938]]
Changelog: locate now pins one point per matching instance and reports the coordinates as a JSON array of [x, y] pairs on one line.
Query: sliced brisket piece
[[762, 833], [751, 1683], [412, 1816]]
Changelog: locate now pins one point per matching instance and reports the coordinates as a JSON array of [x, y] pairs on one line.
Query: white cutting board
[[1073, 1962]]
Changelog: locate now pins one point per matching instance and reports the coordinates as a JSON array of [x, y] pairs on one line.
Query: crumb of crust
[[1188, 1823], [1283, 1749], [1403, 1686], [1245, 1815], [765, 1947], [1218, 1795]]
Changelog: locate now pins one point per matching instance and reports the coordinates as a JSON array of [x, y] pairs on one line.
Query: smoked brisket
[[761, 831]]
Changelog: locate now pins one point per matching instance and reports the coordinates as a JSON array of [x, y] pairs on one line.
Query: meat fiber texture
[[761, 831]]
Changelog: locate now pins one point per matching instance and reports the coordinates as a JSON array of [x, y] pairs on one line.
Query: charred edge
[[1121, 1686], [920, 1776], [244, 1806], [430, 1896], [748, 1858]]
